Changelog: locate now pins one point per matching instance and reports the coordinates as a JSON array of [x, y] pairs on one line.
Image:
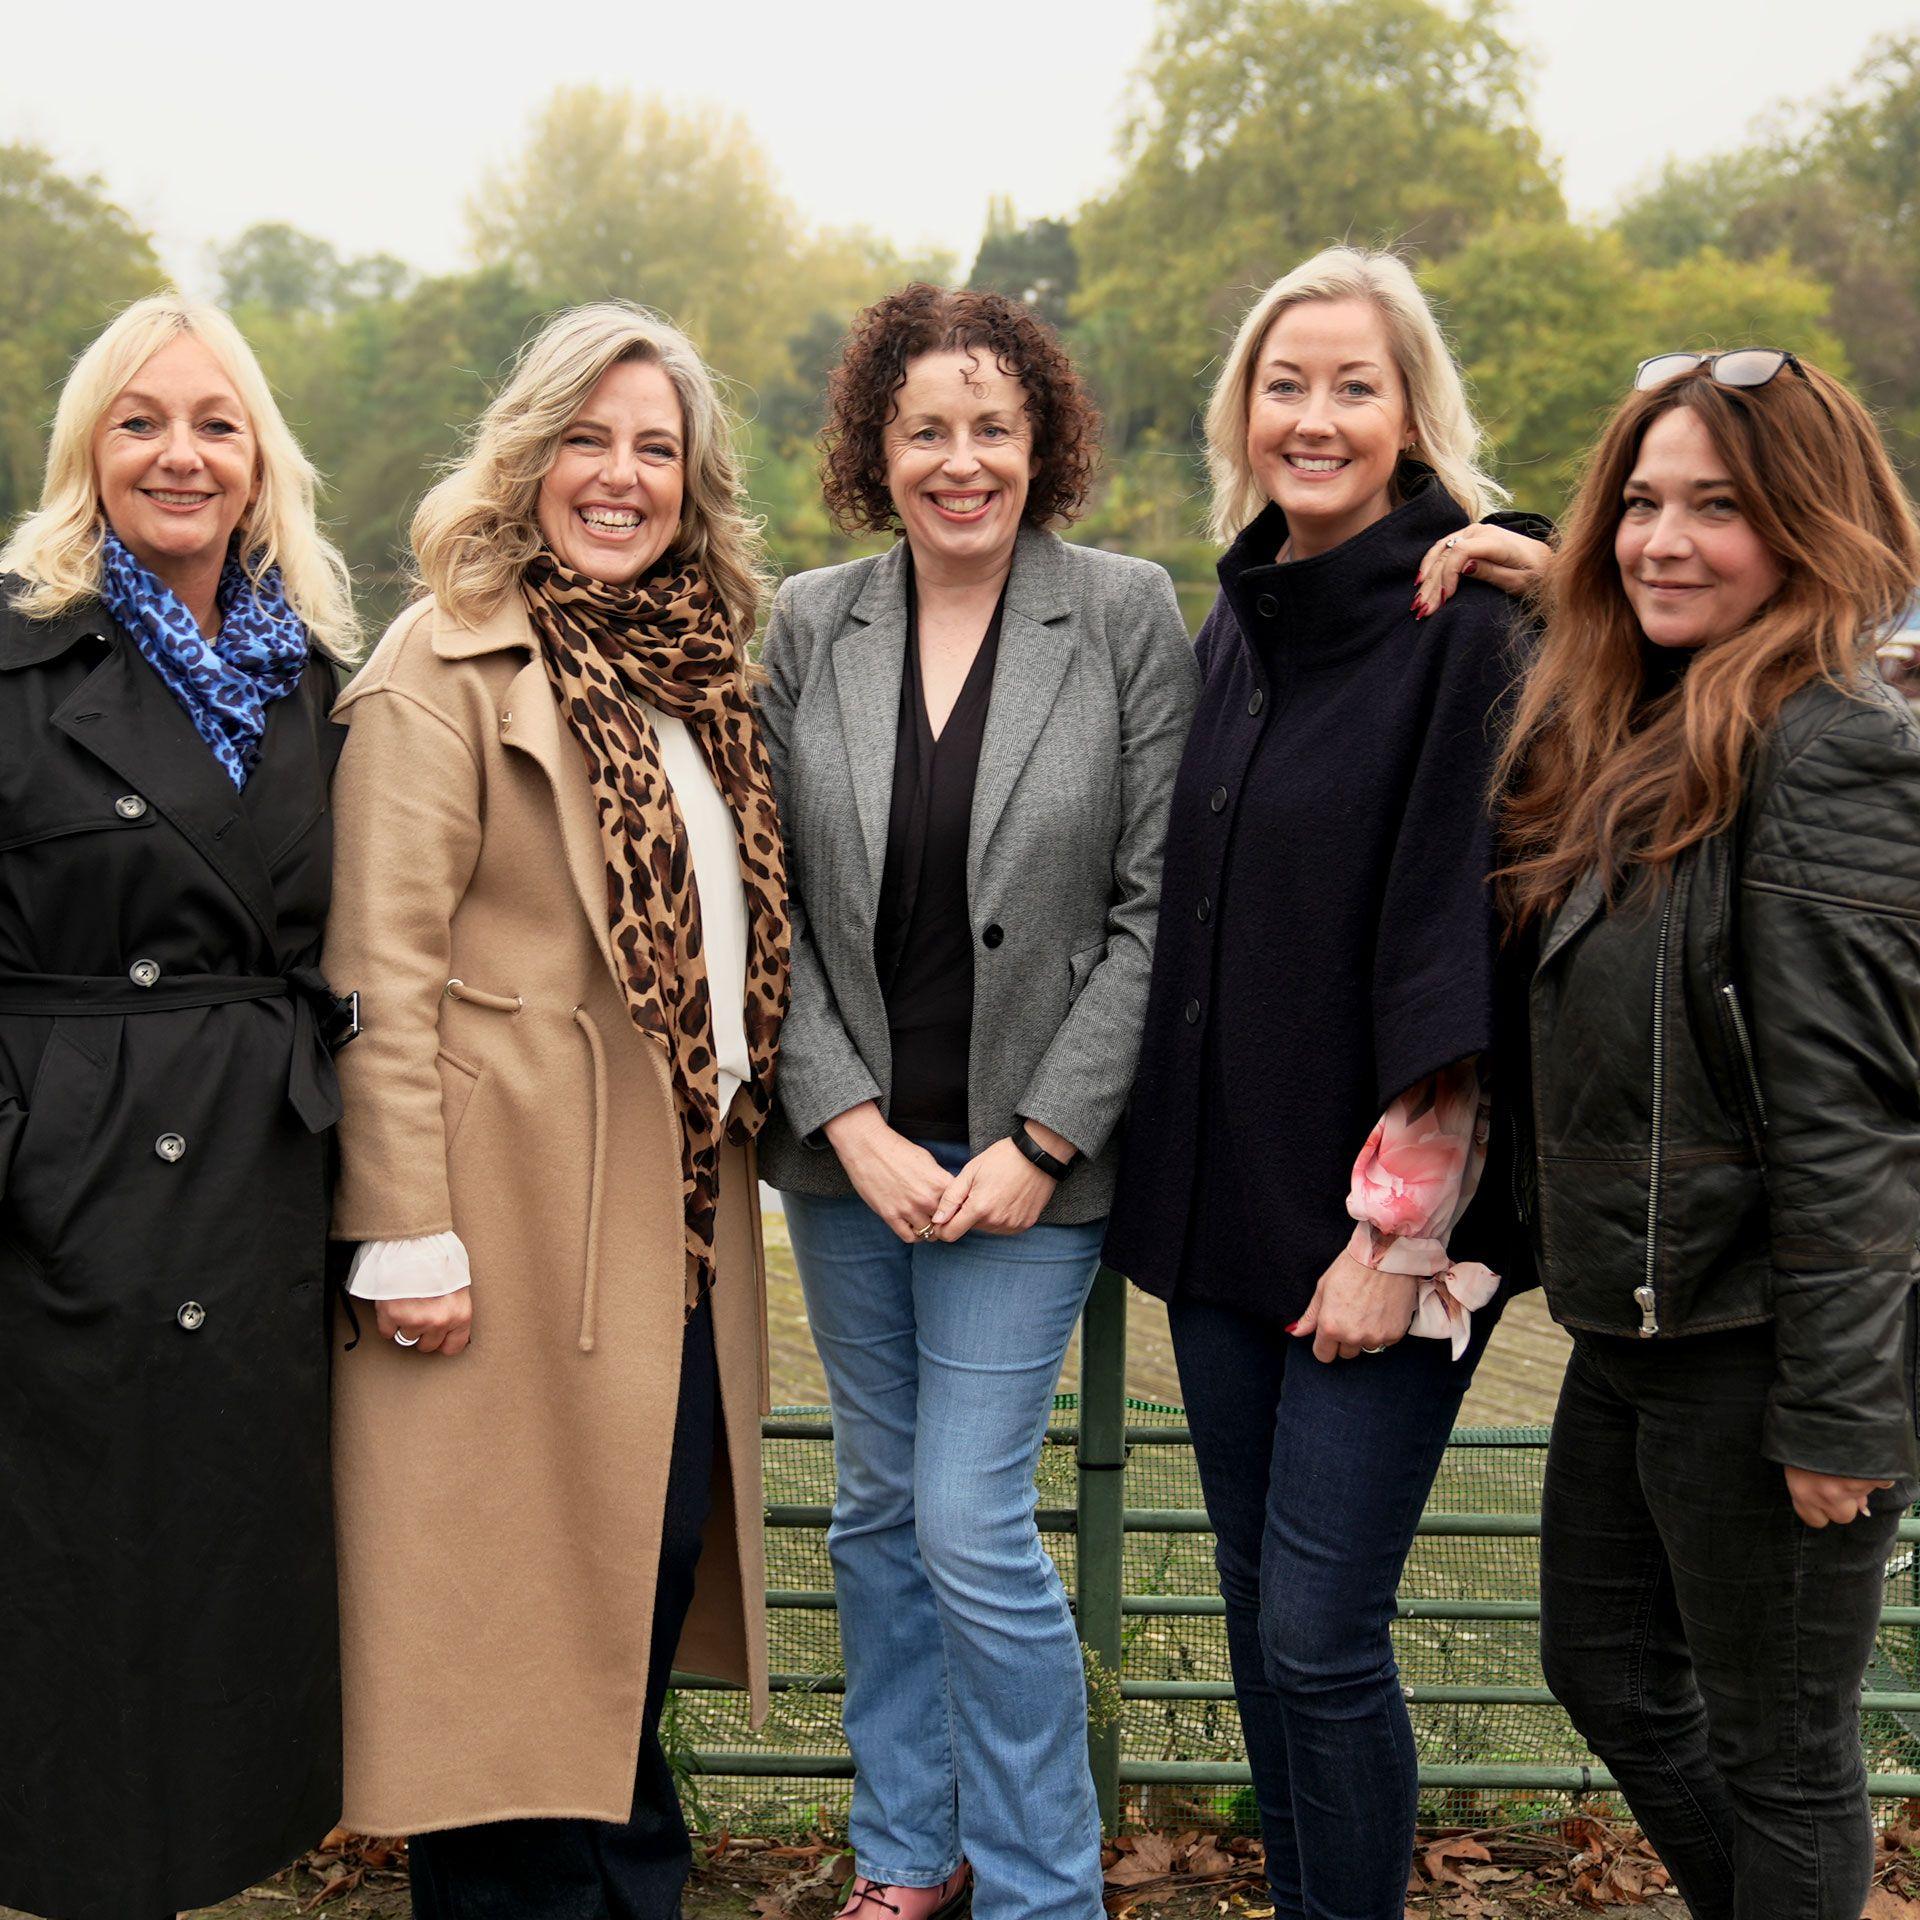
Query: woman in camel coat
[[526, 1519]]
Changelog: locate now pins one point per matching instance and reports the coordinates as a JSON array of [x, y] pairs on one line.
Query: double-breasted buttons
[[192, 1316], [1219, 801], [1266, 606], [171, 1146], [130, 806], [1256, 700], [1204, 911], [991, 935], [143, 973], [1193, 1013]]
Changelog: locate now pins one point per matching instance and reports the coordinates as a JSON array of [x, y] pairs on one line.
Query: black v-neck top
[[923, 931]]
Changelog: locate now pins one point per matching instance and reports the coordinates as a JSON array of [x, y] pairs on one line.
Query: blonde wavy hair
[[476, 530], [1446, 436], [56, 548]]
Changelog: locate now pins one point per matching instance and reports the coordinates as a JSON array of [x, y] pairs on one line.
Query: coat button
[[1266, 606], [1193, 1013], [1219, 801], [171, 1146], [192, 1316], [1204, 911], [143, 973], [1256, 700], [991, 935], [130, 806]]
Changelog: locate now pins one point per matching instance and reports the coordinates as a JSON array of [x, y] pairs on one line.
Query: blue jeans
[[1315, 1474], [966, 1697]]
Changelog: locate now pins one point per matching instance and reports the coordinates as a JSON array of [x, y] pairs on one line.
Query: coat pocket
[[459, 1081], [1080, 968], [51, 1146]]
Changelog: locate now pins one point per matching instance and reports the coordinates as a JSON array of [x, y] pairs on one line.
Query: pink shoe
[[870, 1900]]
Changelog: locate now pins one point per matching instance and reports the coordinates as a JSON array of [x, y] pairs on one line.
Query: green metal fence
[[1120, 1509]]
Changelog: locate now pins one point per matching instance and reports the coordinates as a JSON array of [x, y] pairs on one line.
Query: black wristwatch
[[1041, 1158]]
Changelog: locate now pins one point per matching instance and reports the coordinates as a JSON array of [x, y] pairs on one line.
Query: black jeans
[[1315, 1474], [586, 1869], [1708, 1645]]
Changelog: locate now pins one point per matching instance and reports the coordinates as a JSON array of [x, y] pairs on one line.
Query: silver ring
[[1452, 540], [1381, 1349], [406, 1340]]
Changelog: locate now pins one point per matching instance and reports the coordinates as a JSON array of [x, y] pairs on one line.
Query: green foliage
[[1037, 263], [1267, 129], [73, 259], [1550, 319], [1837, 187]]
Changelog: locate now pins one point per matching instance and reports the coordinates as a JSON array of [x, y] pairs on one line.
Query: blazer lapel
[[869, 661], [1036, 645], [124, 716]]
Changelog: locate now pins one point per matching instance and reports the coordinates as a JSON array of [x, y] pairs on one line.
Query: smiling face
[[959, 459], [1327, 421], [176, 464], [610, 503], [1693, 567]]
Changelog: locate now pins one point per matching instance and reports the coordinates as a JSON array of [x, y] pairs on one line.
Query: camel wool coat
[[499, 1513]]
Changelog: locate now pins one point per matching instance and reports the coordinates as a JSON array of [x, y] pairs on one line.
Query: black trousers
[[1708, 1645], [587, 1869]]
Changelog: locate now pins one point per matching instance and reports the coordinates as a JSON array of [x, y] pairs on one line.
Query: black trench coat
[[169, 1694]]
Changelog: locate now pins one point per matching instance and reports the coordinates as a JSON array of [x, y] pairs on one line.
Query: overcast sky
[[369, 122]]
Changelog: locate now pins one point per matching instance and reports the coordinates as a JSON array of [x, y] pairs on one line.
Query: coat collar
[[26, 642], [530, 723], [870, 659]]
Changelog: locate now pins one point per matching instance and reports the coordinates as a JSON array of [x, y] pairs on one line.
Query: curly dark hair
[[921, 319]]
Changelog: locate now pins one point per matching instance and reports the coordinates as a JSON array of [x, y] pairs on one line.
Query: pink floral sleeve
[[1412, 1182]]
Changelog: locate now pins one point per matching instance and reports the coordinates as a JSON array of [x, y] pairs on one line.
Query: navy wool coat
[[1327, 933]]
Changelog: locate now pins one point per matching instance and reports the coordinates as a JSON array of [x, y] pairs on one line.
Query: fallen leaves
[[1138, 1866]]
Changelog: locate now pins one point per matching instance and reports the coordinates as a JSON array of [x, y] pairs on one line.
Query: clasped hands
[[998, 1191]]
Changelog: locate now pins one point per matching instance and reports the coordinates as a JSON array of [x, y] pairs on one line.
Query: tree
[[1036, 263], [1550, 320], [621, 196], [73, 258], [1265, 129], [275, 268], [1836, 185]]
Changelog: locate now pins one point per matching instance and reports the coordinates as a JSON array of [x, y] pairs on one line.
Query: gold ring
[[926, 1232]]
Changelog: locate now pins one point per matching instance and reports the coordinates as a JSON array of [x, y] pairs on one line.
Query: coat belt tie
[[323, 1022], [589, 1287]]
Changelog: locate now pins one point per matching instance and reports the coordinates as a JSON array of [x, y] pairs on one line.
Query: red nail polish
[[1468, 567], [1291, 1324]]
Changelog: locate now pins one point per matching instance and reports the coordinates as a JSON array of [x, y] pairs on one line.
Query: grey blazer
[[1093, 691]]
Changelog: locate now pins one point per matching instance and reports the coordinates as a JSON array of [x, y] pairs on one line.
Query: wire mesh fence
[[1491, 1741]]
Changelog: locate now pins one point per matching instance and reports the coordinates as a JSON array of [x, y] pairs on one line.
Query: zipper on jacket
[[1746, 1052], [1644, 1296]]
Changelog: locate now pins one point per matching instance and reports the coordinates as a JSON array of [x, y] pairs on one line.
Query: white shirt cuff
[[422, 1269]]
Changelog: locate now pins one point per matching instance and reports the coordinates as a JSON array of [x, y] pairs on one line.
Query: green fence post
[[1101, 1536]]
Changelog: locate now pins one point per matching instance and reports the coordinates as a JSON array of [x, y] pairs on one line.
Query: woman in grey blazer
[[974, 738]]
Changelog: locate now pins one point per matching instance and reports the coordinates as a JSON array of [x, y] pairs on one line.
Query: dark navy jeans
[[1315, 1474], [1709, 1646], [589, 1869]]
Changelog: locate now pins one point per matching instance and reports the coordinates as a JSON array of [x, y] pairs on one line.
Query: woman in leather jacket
[[1711, 837]]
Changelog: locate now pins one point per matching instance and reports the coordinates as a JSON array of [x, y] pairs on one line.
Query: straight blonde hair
[[1446, 437], [476, 530], [56, 548]]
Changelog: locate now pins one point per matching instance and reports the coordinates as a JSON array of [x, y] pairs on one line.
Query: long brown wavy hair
[[1602, 771]]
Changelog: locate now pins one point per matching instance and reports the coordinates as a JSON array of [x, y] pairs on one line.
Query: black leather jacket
[[1726, 1087]]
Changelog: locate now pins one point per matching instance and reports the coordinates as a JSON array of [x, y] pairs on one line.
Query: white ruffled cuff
[[422, 1269]]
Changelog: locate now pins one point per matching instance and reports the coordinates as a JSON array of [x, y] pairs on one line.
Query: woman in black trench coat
[[169, 1699]]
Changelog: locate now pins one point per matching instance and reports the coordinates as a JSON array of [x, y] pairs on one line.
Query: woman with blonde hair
[[1310, 1176], [1711, 852], [561, 893], [170, 620]]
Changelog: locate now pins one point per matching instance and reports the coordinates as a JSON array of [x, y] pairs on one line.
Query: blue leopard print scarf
[[227, 683]]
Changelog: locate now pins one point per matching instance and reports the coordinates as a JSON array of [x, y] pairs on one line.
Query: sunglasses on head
[[1737, 367]]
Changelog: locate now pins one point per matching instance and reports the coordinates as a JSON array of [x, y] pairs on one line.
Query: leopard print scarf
[[665, 640]]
